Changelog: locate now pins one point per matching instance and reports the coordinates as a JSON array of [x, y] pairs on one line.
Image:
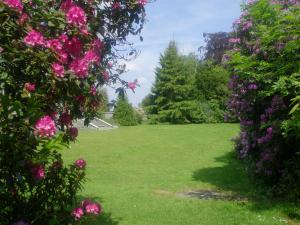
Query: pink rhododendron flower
[[15, 4], [142, 2], [234, 40], [73, 131], [23, 19], [77, 213], [237, 22], [93, 90], [116, 5], [247, 25], [105, 75], [58, 69], [66, 5], [80, 163], [38, 172], [97, 45], [93, 208], [74, 47], [63, 57], [85, 202], [65, 119], [45, 127], [54, 44], [250, 2], [80, 99], [245, 13], [63, 38], [91, 57], [34, 38], [80, 68], [29, 87], [76, 16], [132, 85]]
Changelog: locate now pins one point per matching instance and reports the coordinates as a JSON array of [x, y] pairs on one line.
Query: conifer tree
[[172, 89], [124, 113]]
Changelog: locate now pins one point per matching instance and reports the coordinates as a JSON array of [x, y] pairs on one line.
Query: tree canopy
[[187, 90]]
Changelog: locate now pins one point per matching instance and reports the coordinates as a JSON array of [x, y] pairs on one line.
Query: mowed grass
[[137, 172]]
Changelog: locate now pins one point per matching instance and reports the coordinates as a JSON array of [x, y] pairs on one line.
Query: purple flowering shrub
[[53, 57], [265, 79]]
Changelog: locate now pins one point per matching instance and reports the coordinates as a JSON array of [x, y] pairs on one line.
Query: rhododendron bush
[[53, 57], [265, 64]]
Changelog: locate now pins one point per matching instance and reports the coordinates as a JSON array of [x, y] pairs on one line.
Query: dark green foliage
[[211, 83], [139, 117], [187, 90], [124, 113], [265, 85], [36, 186], [172, 89], [147, 102]]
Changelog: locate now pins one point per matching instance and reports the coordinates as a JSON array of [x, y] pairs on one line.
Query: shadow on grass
[[105, 218], [232, 177], [229, 177]]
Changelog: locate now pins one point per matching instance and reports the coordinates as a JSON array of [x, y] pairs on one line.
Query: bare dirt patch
[[211, 194], [204, 195]]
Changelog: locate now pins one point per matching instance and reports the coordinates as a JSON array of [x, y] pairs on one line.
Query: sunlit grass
[[137, 172]]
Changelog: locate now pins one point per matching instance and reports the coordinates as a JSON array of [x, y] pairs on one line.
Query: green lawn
[[137, 172]]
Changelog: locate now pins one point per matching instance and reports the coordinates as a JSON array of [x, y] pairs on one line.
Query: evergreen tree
[[187, 90], [172, 89], [211, 83], [124, 113], [147, 103]]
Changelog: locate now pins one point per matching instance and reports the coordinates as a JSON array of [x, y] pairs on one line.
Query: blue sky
[[184, 21]]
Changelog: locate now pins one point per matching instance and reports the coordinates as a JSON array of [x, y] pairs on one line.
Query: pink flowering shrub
[[38, 172], [54, 57], [265, 80], [58, 69], [29, 87], [91, 207], [34, 38], [80, 163], [87, 208], [77, 213], [45, 127], [14, 4], [76, 16]]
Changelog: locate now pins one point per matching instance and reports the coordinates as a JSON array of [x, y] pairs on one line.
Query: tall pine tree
[[172, 88]]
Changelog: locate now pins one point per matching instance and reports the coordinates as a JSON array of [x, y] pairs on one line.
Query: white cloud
[[181, 20]]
